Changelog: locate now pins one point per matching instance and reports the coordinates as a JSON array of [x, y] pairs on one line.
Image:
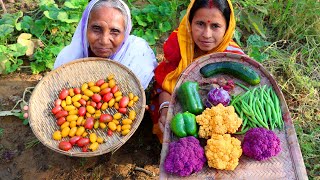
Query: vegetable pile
[[259, 107], [223, 151], [252, 113], [261, 144], [185, 157], [79, 110], [218, 120]]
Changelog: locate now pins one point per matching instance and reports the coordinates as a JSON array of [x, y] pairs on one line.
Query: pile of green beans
[[258, 107]]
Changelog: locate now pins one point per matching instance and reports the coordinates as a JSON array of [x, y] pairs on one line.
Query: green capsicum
[[189, 97], [184, 124]]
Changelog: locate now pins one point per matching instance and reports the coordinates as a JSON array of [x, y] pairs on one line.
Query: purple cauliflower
[[261, 144], [216, 96], [185, 157]]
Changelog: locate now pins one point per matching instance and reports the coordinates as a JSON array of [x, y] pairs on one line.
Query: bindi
[[209, 21]]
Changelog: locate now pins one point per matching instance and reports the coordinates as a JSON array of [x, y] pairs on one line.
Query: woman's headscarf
[[142, 66], [186, 45]]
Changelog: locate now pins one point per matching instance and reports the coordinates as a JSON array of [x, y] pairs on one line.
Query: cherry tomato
[[83, 142], [99, 104], [82, 102], [63, 94], [76, 90], [96, 98], [122, 110], [89, 123], [107, 97], [105, 91], [61, 114], [124, 101], [85, 149], [109, 132], [99, 82], [56, 109], [82, 111], [74, 140], [105, 118], [25, 115], [114, 89], [93, 104], [57, 102], [61, 120], [65, 145]]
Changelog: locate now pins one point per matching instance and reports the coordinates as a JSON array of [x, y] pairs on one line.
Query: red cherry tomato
[[122, 110], [82, 111], [114, 89], [63, 94], [85, 149], [96, 98], [93, 104], [105, 91], [83, 142], [74, 140], [82, 102], [57, 102], [56, 109], [89, 123], [109, 132], [99, 82], [76, 90], [107, 97], [99, 104], [105, 118], [60, 114], [65, 145], [61, 120], [124, 102]]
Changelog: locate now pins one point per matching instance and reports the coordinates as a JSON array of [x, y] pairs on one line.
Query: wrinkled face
[[105, 31], [208, 27]]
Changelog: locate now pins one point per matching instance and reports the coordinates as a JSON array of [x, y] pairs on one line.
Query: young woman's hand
[[162, 119]]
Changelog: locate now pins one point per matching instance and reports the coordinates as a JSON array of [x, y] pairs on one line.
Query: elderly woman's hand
[[162, 119]]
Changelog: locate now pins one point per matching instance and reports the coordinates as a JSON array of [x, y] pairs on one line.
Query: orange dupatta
[[186, 45]]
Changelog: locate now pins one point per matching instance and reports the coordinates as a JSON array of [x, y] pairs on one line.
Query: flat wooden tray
[[287, 165], [74, 74]]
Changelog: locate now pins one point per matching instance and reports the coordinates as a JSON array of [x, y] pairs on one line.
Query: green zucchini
[[236, 69]]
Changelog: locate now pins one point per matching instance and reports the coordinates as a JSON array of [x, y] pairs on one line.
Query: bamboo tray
[[287, 165], [74, 74]]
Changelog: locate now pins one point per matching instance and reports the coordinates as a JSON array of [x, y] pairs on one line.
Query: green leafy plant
[[155, 19]]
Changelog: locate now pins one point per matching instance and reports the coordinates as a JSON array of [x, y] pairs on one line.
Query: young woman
[[207, 27], [104, 31]]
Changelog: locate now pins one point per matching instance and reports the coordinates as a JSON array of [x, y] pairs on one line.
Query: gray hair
[[113, 4]]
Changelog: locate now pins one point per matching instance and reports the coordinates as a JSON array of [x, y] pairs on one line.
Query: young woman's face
[[105, 31], [208, 27]]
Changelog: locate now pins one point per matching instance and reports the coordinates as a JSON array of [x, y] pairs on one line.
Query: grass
[[293, 28]]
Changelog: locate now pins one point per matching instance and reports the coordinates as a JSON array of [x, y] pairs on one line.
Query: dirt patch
[[22, 156]]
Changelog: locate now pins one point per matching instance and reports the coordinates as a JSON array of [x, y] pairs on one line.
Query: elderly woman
[[207, 27], [104, 31]]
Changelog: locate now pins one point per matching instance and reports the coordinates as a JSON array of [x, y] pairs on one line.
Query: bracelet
[[163, 105]]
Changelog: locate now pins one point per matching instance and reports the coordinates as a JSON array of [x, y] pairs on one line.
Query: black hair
[[222, 5]]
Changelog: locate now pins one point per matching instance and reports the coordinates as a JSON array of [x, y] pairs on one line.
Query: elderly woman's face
[[105, 31], [208, 27]]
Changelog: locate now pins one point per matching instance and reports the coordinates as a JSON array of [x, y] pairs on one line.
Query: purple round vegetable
[[261, 144], [185, 157], [216, 96]]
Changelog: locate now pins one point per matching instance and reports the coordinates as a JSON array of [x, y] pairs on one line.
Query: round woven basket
[[74, 74]]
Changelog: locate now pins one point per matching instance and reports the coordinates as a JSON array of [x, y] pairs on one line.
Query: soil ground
[[22, 156]]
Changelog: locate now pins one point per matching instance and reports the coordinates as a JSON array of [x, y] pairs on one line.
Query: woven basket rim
[[100, 151]]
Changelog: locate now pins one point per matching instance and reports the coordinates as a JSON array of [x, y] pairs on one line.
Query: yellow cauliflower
[[218, 120], [223, 151]]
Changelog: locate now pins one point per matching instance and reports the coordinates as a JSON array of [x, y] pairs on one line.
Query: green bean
[[262, 111], [255, 122], [243, 131], [243, 86], [251, 96], [277, 106]]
